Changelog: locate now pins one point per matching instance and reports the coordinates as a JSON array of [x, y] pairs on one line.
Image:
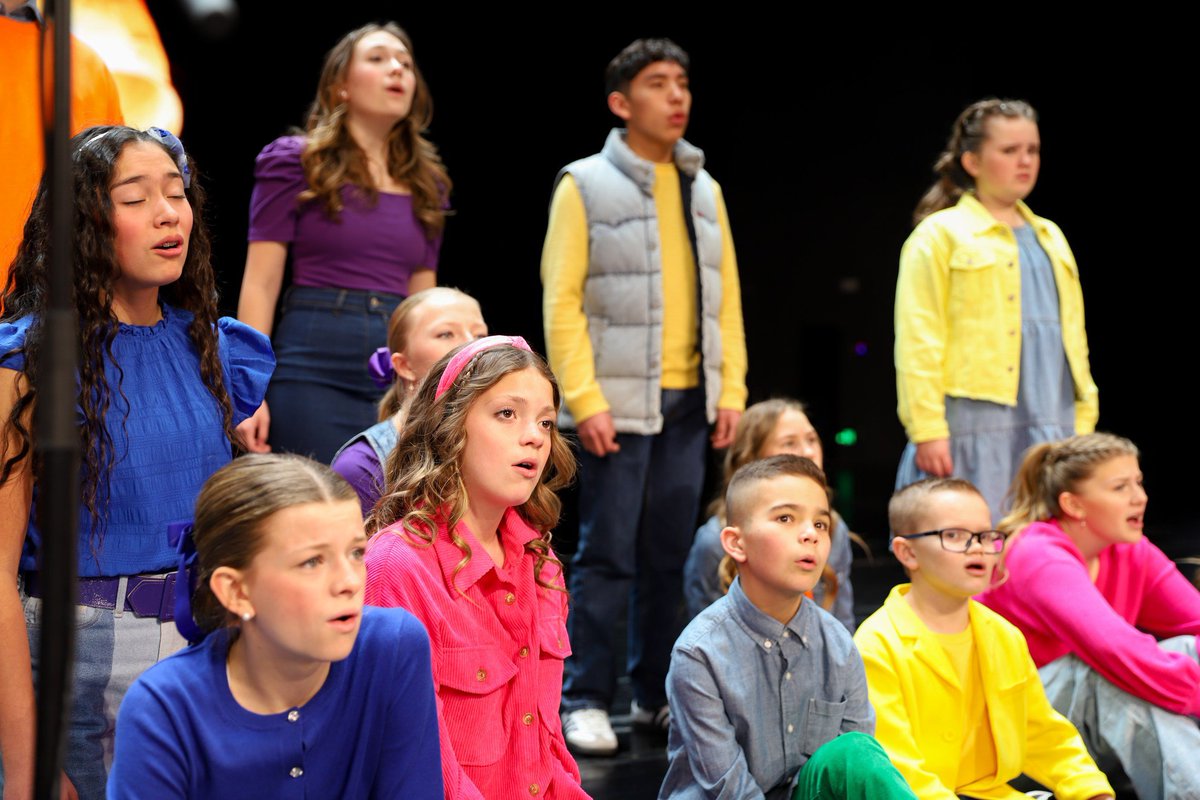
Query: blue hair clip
[[176, 147], [179, 535]]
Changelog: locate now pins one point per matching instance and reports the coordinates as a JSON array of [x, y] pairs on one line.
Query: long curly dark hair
[[332, 158], [94, 154]]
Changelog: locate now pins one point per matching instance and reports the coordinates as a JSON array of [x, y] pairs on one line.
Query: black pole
[[56, 435]]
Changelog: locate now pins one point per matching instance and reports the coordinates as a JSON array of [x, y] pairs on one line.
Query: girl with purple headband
[[461, 538], [162, 381]]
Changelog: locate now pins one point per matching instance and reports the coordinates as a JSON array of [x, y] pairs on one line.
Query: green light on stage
[[846, 437]]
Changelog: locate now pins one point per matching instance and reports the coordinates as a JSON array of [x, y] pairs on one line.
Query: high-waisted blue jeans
[[321, 393]]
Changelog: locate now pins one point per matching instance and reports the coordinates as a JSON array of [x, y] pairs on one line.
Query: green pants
[[851, 767]]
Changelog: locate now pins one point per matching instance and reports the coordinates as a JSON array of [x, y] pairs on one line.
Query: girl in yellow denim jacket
[[991, 349]]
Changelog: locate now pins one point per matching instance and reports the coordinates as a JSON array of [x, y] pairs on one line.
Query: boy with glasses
[[960, 708]]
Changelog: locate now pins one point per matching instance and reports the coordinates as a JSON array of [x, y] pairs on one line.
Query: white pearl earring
[[247, 616]]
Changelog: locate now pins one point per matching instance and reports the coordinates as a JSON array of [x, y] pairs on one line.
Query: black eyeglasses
[[959, 540]]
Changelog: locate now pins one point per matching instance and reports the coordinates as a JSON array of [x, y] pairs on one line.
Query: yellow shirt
[[564, 272], [978, 750], [958, 317]]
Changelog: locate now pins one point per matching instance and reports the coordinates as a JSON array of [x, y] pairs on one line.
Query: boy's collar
[[765, 630]]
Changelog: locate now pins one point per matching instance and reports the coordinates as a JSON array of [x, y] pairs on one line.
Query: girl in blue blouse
[[162, 383], [297, 690]]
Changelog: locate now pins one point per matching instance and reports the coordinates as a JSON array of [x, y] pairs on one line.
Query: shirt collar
[[515, 533], [765, 630], [984, 221]]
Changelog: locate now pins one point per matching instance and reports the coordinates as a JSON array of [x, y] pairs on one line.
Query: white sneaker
[[659, 720], [588, 732]]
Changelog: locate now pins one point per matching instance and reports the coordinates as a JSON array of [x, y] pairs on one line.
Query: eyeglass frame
[[972, 537]]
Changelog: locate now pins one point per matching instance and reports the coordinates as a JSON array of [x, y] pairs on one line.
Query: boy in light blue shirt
[[767, 692]]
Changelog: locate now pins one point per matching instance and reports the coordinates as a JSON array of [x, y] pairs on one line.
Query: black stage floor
[[636, 772]]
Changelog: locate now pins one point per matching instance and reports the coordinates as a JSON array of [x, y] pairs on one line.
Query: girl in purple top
[[1110, 620], [359, 202], [426, 326]]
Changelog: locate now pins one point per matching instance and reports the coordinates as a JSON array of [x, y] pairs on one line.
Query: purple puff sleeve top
[[370, 247]]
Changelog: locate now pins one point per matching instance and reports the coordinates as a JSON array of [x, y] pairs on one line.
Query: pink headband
[[469, 351]]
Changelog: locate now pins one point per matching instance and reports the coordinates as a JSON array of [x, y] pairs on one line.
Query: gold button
[[293, 715], [523, 652], [295, 772], [481, 675], [510, 598], [534, 789], [527, 719]]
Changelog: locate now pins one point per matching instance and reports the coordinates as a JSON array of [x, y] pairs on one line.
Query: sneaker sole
[[592, 751]]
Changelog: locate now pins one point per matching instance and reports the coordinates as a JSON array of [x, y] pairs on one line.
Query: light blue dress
[[988, 440]]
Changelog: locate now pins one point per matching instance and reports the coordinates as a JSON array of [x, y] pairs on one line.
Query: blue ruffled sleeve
[[249, 361], [12, 337]]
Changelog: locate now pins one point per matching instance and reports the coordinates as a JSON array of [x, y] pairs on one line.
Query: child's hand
[[934, 458], [598, 435], [727, 420], [253, 431]]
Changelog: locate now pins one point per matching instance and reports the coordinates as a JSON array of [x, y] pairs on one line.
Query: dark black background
[[822, 137]]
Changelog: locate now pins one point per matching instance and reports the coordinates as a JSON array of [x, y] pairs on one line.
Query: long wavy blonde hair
[[332, 159], [424, 472]]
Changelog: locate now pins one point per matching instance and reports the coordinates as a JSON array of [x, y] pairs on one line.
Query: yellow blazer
[[918, 700]]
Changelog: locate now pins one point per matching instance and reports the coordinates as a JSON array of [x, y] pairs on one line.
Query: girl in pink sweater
[[1110, 620]]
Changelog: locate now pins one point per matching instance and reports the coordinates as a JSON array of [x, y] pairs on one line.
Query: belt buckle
[[158, 593]]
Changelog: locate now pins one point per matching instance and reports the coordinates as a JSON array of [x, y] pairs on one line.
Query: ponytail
[[393, 400], [1028, 503], [1051, 468]]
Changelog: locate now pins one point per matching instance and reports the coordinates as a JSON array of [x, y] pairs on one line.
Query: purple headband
[[469, 351]]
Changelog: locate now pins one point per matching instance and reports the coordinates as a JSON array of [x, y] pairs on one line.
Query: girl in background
[[358, 202], [161, 384], [768, 428], [296, 688], [1110, 621], [423, 328], [472, 484], [991, 350]]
